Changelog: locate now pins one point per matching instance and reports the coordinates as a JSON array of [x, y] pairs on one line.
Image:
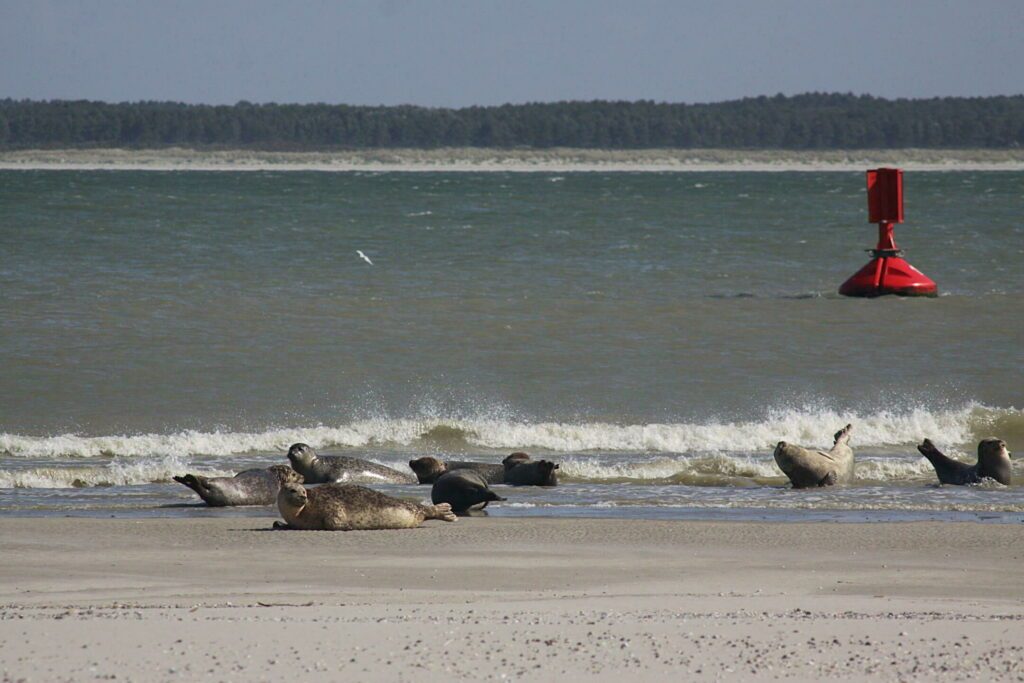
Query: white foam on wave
[[807, 426], [116, 473]]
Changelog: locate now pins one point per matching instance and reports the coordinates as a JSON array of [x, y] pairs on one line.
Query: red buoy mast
[[887, 272]]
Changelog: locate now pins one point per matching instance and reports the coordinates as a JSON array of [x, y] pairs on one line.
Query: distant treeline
[[811, 121]]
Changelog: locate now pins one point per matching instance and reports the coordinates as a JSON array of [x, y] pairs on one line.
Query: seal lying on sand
[[520, 470], [334, 468], [806, 468], [250, 487], [993, 463], [347, 507], [428, 469], [464, 490]]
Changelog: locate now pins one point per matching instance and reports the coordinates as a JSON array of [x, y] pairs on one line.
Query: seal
[[348, 507], [993, 463], [520, 470], [428, 469], [807, 468], [249, 487], [341, 468], [463, 490]]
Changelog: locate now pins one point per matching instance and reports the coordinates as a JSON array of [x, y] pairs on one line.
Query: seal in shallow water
[[464, 490], [520, 470], [347, 507], [807, 468], [341, 468], [428, 469], [249, 487], [993, 463]]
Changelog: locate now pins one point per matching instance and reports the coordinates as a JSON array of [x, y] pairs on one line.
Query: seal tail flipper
[[843, 434], [441, 511], [491, 495]]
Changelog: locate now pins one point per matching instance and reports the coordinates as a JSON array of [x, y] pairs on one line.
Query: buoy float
[[887, 272]]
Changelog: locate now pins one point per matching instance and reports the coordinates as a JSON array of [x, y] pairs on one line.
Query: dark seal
[[428, 469], [342, 468], [520, 470], [464, 490], [993, 463], [249, 487], [347, 507]]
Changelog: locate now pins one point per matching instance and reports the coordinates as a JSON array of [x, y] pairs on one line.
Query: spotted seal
[[993, 463], [342, 468], [521, 470], [348, 507], [249, 487], [807, 468], [428, 469], [464, 490]]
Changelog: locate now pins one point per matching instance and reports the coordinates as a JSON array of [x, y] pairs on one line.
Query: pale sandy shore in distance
[[494, 599], [521, 160]]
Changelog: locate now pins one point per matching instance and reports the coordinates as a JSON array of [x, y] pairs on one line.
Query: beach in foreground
[[475, 159], [508, 599]]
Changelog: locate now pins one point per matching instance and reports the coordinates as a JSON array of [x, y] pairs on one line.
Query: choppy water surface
[[654, 333]]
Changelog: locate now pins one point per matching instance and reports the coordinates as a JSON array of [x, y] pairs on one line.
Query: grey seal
[[993, 463], [807, 468], [428, 469], [463, 490], [520, 470], [348, 507], [342, 468], [249, 487]]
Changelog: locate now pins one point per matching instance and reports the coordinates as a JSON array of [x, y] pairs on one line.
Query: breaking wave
[[812, 426]]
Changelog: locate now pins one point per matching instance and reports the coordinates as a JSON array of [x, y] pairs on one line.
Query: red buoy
[[887, 272]]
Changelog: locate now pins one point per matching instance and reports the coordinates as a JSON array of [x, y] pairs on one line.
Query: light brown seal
[[429, 468], [342, 468], [249, 487], [347, 507], [807, 468], [993, 463]]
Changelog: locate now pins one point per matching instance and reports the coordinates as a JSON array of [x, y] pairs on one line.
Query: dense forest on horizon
[[809, 121]]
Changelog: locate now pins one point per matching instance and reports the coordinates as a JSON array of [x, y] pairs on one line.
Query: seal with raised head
[[348, 507], [249, 487], [429, 468], [807, 468], [520, 470], [993, 463], [342, 468], [464, 490]]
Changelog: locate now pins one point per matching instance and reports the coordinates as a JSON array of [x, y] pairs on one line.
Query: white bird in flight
[[364, 257]]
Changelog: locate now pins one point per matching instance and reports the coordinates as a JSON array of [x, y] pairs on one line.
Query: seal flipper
[[491, 495], [842, 435], [948, 471], [442, 511]]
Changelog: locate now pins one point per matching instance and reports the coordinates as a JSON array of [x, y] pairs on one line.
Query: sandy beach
[[513, 160], [509, 599]]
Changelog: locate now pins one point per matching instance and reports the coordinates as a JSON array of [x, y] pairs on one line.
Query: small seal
[[993, 463], [428, 469], [347, 507], [341, 468], [463, 490], [520, 470], [249, 487], [807, 468]]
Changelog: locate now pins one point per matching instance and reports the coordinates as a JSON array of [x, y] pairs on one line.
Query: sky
[[454, 53]]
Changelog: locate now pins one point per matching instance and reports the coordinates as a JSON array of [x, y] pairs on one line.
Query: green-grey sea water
[[655, 333]]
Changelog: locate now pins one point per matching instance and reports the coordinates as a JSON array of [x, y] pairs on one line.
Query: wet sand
[[509, 599], [513, 160]]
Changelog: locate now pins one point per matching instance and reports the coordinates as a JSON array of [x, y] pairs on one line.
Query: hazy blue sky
[[456, 53]]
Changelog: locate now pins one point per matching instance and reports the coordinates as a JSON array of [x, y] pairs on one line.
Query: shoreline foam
[[517, 160]]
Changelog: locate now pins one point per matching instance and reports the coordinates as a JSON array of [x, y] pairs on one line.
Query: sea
[[656, 334]]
